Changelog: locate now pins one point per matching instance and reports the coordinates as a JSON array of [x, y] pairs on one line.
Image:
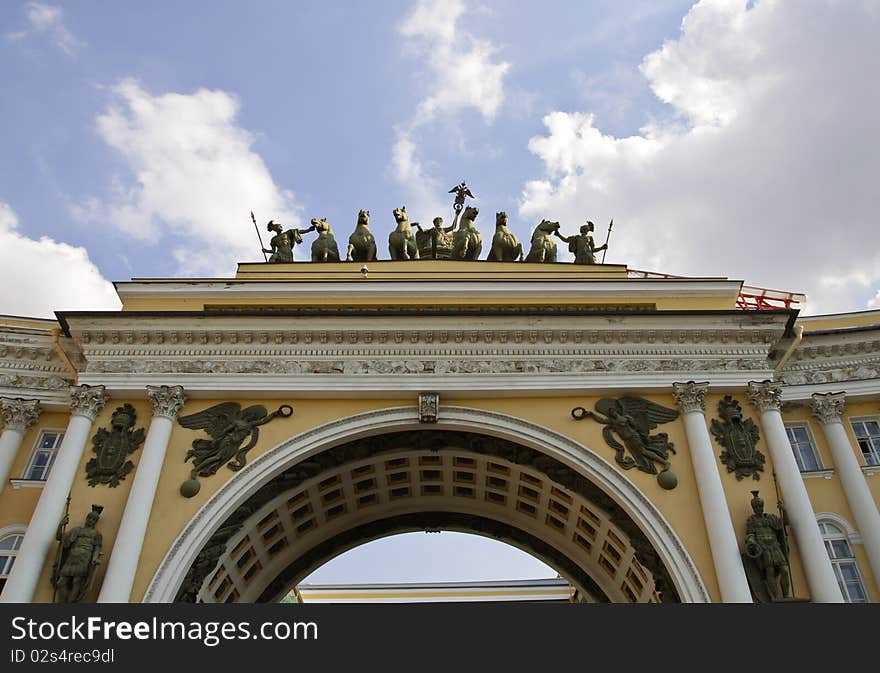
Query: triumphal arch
[[219, 439]]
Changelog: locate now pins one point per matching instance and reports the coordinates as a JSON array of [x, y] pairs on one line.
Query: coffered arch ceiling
[[386, 480]]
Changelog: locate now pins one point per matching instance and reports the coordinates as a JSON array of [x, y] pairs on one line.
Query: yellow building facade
[[440, 395]]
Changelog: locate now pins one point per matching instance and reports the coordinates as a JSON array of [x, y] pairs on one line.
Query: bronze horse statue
[[543, 246], [467, 242], [505, 245], [361, 244], [402, 241], [324, 248]]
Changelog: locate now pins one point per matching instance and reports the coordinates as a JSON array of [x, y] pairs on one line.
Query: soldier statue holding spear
[[282, 243], [79, 553], [582, 244]]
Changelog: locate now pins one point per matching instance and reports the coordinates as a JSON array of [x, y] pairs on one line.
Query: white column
[[691, 400], [85, 403], [18, 416], [121, 569], [828, 409], [817, 566]]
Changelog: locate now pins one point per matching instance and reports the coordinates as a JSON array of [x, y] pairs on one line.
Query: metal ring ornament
[[579, 413]]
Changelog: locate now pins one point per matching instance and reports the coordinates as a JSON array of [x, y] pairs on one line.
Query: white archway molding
[[13, 529], [845, 526], [173, 568]]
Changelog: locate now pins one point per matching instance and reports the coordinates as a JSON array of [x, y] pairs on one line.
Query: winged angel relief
[[229, 427], [628, 423]]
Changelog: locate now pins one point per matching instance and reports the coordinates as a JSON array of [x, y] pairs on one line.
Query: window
[[867, 432], [8, 551], [43, 455], [804, 447], [844, 562]]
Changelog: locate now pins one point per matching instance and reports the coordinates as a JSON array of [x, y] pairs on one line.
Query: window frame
[[6, 533], [790, 425], [35, 452], [876, 451], [838, 562]]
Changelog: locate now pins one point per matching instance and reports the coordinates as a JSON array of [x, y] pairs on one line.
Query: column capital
[[690, 396], [765, 395], [828, 407], [19, 414], [167, 400], [87, 401]]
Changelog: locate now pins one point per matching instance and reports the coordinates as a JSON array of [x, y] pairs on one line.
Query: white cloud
[[462, 74], [42, 276], [195, 177], [767, 171], [47, 21]]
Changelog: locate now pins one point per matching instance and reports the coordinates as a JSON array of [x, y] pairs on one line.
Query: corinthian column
[[85, 403], [690, 398], [167, 402], [817, 566], [18, 416], [828, 409]]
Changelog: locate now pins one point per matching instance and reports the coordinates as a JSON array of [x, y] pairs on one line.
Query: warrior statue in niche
[[79, 553], [766, 553]]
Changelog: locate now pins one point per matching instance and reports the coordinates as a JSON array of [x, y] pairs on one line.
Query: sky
[[724, 138]]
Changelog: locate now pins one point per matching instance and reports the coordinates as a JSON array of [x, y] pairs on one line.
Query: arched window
[[9, 545], [844, 561]]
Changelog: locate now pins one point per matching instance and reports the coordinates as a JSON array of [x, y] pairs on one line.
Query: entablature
[[488, 353], [832, 360]]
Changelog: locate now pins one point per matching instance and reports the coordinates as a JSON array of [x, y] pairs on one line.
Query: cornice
[[247, 290]]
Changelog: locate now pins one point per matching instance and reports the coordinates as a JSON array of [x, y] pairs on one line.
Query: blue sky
[[725, 137]]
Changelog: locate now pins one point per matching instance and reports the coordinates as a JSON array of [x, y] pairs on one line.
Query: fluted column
[[85, 403], [690, 398], [167, 402], [817, 566], [18, 416], [828, 408]]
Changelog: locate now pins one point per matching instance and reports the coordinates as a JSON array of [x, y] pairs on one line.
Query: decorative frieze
[[499, 364], [34, 382], [19, 414], [860, 371], [828, 408]]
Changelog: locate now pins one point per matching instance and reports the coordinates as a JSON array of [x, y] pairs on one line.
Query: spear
[[258, 236], [56, 569], [610, 224]]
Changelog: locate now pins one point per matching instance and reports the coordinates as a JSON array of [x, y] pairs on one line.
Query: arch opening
[[317, 504]]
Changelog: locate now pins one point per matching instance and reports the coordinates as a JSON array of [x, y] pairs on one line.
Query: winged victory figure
[[229, 426], [628, 423]]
